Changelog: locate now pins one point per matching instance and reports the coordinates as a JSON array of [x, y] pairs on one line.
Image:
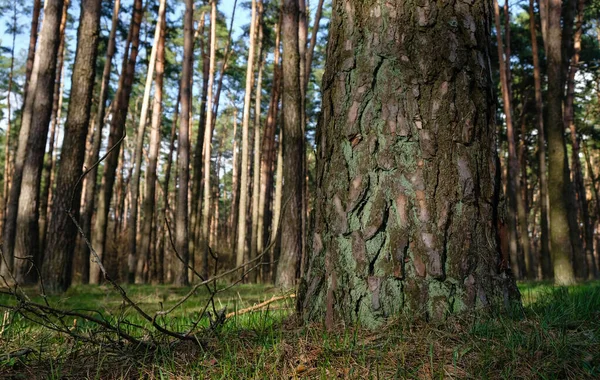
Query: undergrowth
[[557, 338]]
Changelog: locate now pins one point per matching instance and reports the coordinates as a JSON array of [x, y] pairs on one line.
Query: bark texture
[[559, 187], [293, 147], [183, 152], [117, 127], [62, 233], [405, 166], [36, 119]]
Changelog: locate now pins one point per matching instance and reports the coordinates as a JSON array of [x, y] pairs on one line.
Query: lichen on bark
[[405, 172]]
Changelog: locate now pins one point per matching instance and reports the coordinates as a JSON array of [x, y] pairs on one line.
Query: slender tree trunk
[[269, 155], [7, 141], [36, 120], [233, 214], [293, 147], [90, 185], [584, 266], [148, 214], [277, 204], [33, 37], [183, 151], [136, 271], [162, 212], [302, 40], [208, 132], [402, 203], [257, 156], [116, 132], [62, 232], [48, 168], [544, 227], [313, 41], [243, 204], [558, 179], [12, 200]]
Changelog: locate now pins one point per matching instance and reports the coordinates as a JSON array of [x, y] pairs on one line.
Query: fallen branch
[[260, 305]]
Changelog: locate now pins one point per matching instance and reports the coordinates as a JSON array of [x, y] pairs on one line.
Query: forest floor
[[558, 337]]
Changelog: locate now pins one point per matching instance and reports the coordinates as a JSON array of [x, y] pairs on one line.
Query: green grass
[[558, 338]]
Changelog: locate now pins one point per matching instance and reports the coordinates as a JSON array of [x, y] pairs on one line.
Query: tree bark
[[49, 165], [183, 151], [405, 193], [208, 132], [269, 156], [117, 131], [36, 120], [62, 232], [558, 179], [257, 154], [293, 147], [33, 36], [517, 212], [584, 265], [136, 271], [148, 213], [539, 108], [90, 185], [243, 203]]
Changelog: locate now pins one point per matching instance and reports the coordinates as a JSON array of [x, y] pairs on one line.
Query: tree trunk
[[62, 232], [7, 146], [183, 151], [148, 213], [558, 179], [36, 120], [584, 266], [405, 194], [273, 253], [117, 130], [208, 132], [293, 147], [517, 212], [233, 214], [545, 233], [243, 203], [48, 168], [257, 156], [90, 185], [313, 41], [269, 156], [135, 271], [33, 36]]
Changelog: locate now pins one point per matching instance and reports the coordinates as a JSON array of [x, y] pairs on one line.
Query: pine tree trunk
[[584, 265], [208, 132], [233, 214], [277, 204], [183, 152], [62, 232], [293, 148], [257, 156], [36, 120], [136, 271], [545, 233], [117, 126], [7, 141], [90, 185], [269, 157], [148, 214], [558, 179], [33, 37], [243, 203], [517, 213], [405, 194], [50, 161]]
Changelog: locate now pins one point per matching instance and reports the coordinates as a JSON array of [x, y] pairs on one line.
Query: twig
[[260, 305]]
